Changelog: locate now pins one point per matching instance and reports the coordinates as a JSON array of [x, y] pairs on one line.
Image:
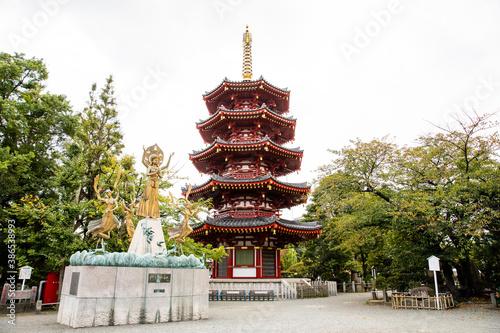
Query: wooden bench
[[261, 295], [232, 295], [213, 295]]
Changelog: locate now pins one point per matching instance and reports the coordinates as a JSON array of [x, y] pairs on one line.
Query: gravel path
[[346, 312]]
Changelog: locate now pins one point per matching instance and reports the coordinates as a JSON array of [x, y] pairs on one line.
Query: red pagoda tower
[[246, 130]]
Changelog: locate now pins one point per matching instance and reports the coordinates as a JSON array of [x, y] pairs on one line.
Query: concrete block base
[[106, 296]]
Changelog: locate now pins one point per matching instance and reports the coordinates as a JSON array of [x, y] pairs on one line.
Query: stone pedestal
[[148, 237], [105, 296]]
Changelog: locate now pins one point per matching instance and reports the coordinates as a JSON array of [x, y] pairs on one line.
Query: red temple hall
[[246, 129]]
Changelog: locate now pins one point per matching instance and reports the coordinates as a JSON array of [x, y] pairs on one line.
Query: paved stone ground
[[346, 312]]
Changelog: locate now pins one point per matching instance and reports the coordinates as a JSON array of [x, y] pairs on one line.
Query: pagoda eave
[[266, 146], [264, 113], [263, 226], [266, 181], [288, 199], [260, 86], [272, 230], [211, 235]]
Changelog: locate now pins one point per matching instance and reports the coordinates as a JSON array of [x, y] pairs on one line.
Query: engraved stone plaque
[[73, 288], [159, 278]]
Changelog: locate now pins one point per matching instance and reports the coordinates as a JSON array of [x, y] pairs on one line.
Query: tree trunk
[[363, 265], [448, 277], [473, 283], [61, 279]]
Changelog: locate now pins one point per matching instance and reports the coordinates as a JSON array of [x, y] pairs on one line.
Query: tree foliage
[[392, 207], [49, 158], [34, 125]]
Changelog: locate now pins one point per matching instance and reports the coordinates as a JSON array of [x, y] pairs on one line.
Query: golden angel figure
[[108, 221], [180, 232], [152, 159], [129, 214]]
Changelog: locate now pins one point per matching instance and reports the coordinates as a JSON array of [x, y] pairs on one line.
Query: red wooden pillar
[[230, 262], [215, 267], [258, 263], [278, 263]]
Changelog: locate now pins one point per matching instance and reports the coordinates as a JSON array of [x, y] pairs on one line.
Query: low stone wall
[[102, 296], [19, 308]]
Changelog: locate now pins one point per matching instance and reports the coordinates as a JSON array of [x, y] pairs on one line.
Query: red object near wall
[[51, 288]]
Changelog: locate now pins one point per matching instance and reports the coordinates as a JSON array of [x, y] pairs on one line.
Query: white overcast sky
[[356, 69]]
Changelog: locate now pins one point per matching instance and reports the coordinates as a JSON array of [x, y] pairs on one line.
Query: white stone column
[[147, 228]]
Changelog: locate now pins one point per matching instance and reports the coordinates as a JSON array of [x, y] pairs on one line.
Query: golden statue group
[[119, 288], [148, 208]]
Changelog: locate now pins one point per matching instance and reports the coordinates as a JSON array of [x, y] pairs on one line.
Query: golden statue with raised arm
[[180, 232], [108, 221], [129, 214], [152, 159]]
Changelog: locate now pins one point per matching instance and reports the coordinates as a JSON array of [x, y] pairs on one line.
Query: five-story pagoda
[[246, 131]]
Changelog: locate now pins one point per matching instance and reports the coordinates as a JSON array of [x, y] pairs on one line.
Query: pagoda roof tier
[[223, 116], [264, 226], [227, 87], [222, 110], [267, 179], [290, 194], [220, 149], [219, 143]]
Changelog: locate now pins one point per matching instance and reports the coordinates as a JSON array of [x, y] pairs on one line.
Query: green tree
[[34, 126], [393, 207], [94, 150], [46, 241], [324, 256], [353, 200], [445, 178], [49, 159], [52, 226], [288, 257]]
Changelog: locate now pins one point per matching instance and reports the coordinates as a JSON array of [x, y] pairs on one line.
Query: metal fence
[[282, 288]]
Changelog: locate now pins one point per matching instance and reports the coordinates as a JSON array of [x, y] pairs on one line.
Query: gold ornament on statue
[[152, 158], [129, 214], [180, 232], [108, 221]]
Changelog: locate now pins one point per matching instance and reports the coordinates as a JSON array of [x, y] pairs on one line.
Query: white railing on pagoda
[[246, 214], [245, 174]]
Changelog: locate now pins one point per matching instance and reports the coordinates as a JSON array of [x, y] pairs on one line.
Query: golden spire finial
[[247, 55]]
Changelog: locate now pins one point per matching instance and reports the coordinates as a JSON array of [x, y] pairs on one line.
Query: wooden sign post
[[434, 266], [25, 274]]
